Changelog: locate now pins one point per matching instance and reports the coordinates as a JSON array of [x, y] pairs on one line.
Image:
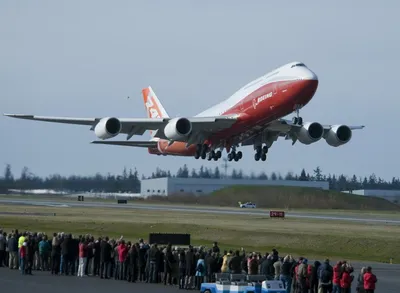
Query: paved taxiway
[[194, 209], [44, 282]]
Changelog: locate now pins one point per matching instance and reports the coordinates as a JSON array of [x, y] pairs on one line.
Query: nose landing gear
[[297, 119]]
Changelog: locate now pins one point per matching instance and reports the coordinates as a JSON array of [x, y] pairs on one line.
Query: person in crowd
[[286, 269], [169, 261], [369, 281], [360, 280], [302, 276], [190, 268], [235, 264], [225, 263], [277, 268], [253, 265], [325, 277], [200, 271], [13, 251], [337, 275], [182, 269], [346, 279], [3, 245], [105, 258], [314, 279], [23, 256], [44, 251], [83, 251]]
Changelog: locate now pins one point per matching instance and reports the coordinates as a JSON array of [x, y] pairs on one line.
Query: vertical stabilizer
[[154, 108]]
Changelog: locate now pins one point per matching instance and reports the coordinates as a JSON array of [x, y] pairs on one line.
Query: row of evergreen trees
[[128, 180]]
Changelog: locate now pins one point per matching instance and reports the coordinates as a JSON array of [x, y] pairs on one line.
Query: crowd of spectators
[[187, 268]]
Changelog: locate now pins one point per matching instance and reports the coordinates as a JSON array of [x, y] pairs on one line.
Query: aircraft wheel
[[198, 148], [218, 154], [216, 158], [203, 155], [239, 155], [257, 157], [264, 157], [265, 149], [197, 156], [300, 121]]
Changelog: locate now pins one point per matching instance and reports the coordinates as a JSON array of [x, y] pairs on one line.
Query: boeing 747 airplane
[[251, 116]]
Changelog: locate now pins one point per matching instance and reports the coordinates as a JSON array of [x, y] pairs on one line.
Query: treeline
[[128, 180]]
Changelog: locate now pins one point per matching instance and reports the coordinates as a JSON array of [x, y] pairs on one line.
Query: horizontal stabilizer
[[143, 144]]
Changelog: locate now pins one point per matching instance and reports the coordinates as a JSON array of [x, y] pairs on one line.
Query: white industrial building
[[391, 195], [172, 185]]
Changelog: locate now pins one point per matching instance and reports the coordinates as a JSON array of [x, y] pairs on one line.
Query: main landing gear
[[233, 155], [203, 151], [261, 153]]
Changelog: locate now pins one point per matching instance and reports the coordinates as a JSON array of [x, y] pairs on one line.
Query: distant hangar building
[[391, 195], [173, 185]]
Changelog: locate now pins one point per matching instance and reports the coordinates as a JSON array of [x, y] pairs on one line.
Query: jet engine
[[310, 132], [338, 135], [108, 128], [178, 129]]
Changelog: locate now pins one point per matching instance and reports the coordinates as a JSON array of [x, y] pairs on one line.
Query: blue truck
[[240, 283]]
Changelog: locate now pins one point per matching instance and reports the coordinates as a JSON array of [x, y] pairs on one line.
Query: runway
[[194, 209], [44, 282]]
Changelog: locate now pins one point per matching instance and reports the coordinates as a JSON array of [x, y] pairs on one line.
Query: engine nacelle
[[108, 128], [310, 132], [338, 135], [178, 128]]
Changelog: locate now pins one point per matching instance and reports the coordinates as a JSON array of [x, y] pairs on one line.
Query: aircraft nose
[[309, 75]]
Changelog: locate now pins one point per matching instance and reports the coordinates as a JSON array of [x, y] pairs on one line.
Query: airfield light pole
[[225, 166]]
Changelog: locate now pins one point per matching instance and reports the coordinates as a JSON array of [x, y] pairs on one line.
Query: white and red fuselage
[[270, 97]]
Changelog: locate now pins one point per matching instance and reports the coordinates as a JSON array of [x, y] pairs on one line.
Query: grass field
[[312, 238]]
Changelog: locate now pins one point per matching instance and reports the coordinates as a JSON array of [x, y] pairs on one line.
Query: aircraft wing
[[137, 126], [143, 144]]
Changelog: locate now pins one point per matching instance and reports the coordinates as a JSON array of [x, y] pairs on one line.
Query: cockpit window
[[298, 64]]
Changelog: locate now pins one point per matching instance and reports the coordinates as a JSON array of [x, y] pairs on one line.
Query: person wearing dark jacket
[[314, 280], [55, 255], [105, 258], [325, 276], [210, 266], [190, 268], [142, 262], [154, 261], [132, 262], [96, 257], [169, 260], [65, 249], [235, 264], [286, 273]]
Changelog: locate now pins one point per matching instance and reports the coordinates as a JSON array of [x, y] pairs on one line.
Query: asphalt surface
[[44, 282], [255, 212]]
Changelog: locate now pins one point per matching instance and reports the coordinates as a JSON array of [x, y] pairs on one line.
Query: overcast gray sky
[[83, 58]]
